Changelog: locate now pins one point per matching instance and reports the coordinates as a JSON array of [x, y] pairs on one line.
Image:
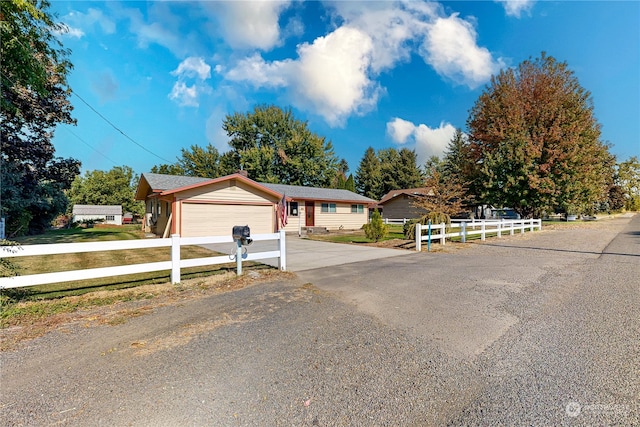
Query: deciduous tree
[[114, 187], [273, 146], [35, 94], [534, 141]]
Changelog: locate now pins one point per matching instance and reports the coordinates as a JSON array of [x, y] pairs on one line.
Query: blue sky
[[362, 73]]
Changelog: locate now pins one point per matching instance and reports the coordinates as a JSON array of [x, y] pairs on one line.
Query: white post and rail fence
[[174, 265], [464, 229]]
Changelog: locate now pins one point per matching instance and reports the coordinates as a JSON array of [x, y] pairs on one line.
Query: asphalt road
[[540, 329]]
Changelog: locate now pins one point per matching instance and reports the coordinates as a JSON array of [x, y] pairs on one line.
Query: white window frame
[[328, 208]]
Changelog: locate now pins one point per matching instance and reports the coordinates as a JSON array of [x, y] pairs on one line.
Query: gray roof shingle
[[315, 193], [97, 209], [161, 182]]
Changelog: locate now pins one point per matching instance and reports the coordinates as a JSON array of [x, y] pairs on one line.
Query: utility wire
[[118, 129], [67, 128], [106, 120]]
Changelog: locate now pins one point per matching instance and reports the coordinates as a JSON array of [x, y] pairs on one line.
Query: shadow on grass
[[16, 295]]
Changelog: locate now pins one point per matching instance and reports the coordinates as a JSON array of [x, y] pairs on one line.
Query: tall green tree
[[368, 176], [534, 141], [628, 178], [114, 187], [33, 76], [273, 146], [197, 161]]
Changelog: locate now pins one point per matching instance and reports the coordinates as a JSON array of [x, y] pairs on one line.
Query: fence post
[[512, 227], [443, 230], [238, 257], [282, 261], [463, 232], [418, 237], [500, 228], [175, 258], [483, 229], [531, 229], [522, 226]]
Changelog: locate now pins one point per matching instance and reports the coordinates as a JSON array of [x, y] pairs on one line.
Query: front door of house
[[309, 215]]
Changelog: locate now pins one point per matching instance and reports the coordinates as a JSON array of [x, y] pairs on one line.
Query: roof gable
[[411, 192]]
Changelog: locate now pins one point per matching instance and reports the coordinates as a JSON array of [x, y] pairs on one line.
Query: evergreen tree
[[368, 176]]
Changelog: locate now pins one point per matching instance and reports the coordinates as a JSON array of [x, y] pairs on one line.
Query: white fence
[[471, 228], [175, 264], [396, 220]]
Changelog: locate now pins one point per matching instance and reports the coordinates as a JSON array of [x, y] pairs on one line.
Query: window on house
[[357, 208], [158, 205], [167, 210], [110, 217], [328, 207], [293, 208]]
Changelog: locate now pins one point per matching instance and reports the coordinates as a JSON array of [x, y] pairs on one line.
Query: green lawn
[[394, 232], [79, 261]]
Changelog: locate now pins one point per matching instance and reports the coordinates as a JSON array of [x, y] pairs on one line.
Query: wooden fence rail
[[175, 264], [477, 227]]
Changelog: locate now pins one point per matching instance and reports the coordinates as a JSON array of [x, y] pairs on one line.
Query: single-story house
[[193, 206], [108, 214], [330, 208], [398, 204]]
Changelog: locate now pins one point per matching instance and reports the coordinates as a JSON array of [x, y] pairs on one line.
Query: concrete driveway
[[305, 254]]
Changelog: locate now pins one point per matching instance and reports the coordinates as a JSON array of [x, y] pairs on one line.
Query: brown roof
[[412, 192]]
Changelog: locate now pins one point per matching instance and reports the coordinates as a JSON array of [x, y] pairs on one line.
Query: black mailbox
[[242, 233]]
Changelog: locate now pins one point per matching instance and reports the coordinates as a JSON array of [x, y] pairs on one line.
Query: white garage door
[[200, 219]]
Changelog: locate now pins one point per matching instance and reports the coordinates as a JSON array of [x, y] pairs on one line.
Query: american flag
[[282, 207]]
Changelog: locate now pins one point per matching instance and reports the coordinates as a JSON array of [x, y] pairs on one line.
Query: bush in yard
[[376, 229], [435, 217]]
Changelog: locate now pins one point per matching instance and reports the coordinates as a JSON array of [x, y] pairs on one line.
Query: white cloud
[[516, 7], [335, 76], [450, 48], [81, 22], [249, 24], [255, 70], [193, 67], [400, 130], [185, 96], [68, 31], [428, 141], [332, 75], [329, 77]]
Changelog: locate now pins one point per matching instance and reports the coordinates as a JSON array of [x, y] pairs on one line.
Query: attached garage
[[207, 219], [197, 207]]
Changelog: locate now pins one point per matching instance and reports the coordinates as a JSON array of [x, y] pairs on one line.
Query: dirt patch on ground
[[117, 306]]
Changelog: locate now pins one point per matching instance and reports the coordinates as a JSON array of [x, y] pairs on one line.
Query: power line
[[118, 129], [89, 145]]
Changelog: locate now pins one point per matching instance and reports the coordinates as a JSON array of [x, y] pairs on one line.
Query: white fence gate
[[477, 227], [175, 264]]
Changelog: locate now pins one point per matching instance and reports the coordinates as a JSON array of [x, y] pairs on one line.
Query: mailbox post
[[242, 236]]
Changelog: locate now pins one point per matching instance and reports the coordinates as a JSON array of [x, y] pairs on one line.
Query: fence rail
[[472, 228], [175, 264]]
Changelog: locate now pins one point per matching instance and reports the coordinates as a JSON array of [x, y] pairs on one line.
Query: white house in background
[[108, 214]]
